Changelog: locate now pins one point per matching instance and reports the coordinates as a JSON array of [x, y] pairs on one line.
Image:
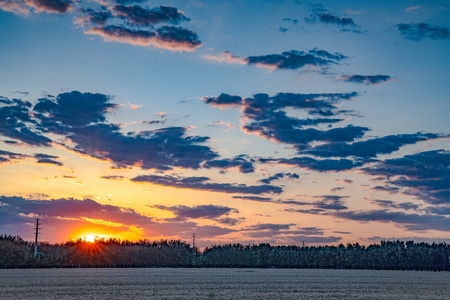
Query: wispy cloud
[[128, 22], [366, 79], [288, 60], [203, 183], [421, 31]]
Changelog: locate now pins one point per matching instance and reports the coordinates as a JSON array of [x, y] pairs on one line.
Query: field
[[221, 284]]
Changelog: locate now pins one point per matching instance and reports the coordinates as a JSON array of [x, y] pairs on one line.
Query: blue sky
[[240, 121]]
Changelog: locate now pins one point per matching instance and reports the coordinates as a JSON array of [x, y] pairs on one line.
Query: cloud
[[320, 14], [201, 183], [420, 31], [15, 6], [265, 117], [366, 79], [16, 121], [321, 165], [50, 6], [17, 210], [254, 198], [288, 60], [6, 156], [113, 177], [414, 222], [279, 176], [161, 149], [223, 100], [225, 57], [413, 8], [75, 109], [64, 217], [287, 234], [119, 21], [197, 212], [141, 26], [139, 16], [47, 159], [294, 59], [425, 175], [168, 37], [242, 162], [320, 149], [321, 204], [80, 118], [369, 148], [332, 19], [392, 204]]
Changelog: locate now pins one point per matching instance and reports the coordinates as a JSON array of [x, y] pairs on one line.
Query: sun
[[90, 238]]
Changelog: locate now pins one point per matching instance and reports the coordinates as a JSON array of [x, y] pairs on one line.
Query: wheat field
[[167, 283]]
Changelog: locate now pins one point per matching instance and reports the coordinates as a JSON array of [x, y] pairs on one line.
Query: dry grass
[[221, 284]]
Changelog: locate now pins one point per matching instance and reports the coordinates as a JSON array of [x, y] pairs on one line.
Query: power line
[[36, 234]]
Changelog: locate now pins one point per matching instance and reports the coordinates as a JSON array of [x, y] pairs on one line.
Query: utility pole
[[36, 234]]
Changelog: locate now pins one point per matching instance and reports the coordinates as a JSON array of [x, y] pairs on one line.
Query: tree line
[[105, 253]]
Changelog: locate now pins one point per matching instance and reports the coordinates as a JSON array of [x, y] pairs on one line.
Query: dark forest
[[114, 253]]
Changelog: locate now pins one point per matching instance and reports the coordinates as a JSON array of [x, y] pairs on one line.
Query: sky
[[281, 122]]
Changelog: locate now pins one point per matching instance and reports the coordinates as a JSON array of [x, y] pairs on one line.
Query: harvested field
[[166, 283]]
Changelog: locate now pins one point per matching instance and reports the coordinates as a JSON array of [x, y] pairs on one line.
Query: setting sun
[[90, 238]]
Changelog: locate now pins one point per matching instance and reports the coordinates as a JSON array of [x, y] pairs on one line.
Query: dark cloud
[[425, 175], [321, 165], [51, 6], [121, 21], [265, 117], [139, 16], [6, 156], [97, 17], [141, 26], [336, 149], [242, 162], [439, 210], [296, 59], [161, 149], [47, 159], [167, 37], [309, 231], [366, 79], [392, 204], [254, 198], [414, 222], [278, 176], [331, 19], [113, 177], [420, 31], [321, 204], [16, 122], [288, 234], [223, 100], [320, 14], [268, 226], [81, 118], [197, 212], [177, 38], [201, 183], [75, 108], [369, 148], [388, 188]]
